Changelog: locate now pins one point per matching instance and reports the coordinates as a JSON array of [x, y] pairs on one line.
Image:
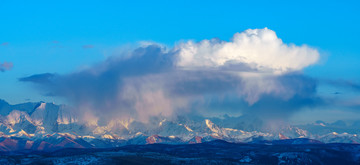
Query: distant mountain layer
[[47, 127], [214, 152]]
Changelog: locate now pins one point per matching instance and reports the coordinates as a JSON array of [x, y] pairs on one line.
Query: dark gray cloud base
[[148, 83], [254, 73]]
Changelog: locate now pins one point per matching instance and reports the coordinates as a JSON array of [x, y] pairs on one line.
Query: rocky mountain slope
[[47, 127]]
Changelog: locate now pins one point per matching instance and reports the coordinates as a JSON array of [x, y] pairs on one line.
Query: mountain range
[[44, 126]]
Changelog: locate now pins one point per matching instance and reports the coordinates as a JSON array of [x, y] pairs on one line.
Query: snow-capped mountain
[[47, 126]]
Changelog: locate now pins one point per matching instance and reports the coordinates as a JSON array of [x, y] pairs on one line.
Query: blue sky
[[65, 36]]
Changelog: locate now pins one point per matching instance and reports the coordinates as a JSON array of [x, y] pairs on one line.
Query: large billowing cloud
[[259, 49], [6, 66], [153, 80]]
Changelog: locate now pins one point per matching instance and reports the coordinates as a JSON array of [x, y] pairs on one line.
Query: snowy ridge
[[48, 126]]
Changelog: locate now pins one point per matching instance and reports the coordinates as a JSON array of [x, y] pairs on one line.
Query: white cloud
[[259, 49], [155, 80]]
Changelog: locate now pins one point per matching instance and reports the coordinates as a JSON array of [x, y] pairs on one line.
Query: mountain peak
[[46, 120]]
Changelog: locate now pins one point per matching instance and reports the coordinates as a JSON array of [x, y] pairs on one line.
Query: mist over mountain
[[48, 127], [179, 82], [207, 76]]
